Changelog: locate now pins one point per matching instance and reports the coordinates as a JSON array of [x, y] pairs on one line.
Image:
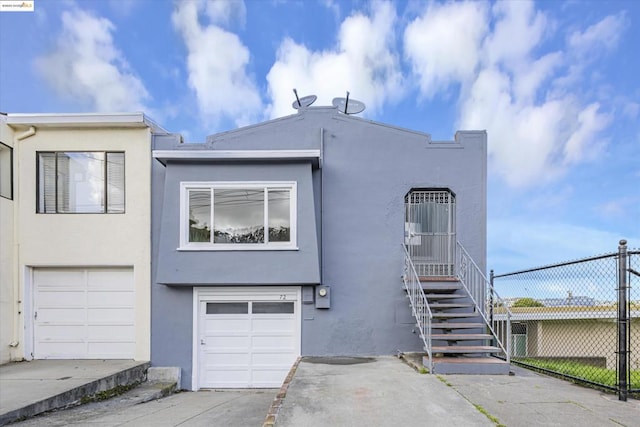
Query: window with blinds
[[80, 182], [6, 171]]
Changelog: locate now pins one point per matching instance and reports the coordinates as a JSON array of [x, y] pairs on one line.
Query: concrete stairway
[[459, 340]]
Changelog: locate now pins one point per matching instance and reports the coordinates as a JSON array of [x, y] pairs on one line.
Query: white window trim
[[185, 245]]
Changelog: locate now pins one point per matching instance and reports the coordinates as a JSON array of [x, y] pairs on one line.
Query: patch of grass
[[423, 370], [606, 377], [441, 378], [488, 415]]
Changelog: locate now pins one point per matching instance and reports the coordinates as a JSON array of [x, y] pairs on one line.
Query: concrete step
[[469, 365], [431, 287], [444, 296], [441, 306], [456, 325], [460, 337], [453, 315], [465, 349]]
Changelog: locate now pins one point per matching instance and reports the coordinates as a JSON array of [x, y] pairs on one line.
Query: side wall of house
[[90, 240], [7, 268]]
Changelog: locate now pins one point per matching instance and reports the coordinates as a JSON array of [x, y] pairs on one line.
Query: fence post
[[623, 321]]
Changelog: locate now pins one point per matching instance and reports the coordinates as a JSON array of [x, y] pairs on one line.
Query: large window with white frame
[[238, 215]]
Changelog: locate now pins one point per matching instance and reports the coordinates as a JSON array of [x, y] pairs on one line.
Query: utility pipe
[[16, 276]]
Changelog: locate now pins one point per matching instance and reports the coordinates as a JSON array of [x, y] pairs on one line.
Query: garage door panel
[[263, 360], [62, 333], [107, 315], [225, 324], [59, 278], [270, 325], [229, 341], [228, 359], [112, 350], [110, 278], [232, 378], [104, 298], [63, 298], [272, 341], [61, 315], [71, 350], [111, 332], [93, 308]]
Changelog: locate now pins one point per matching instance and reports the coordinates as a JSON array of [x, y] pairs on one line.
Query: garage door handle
[[202, 341]]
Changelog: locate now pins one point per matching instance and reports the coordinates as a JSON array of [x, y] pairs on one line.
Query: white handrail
[[419, 304], [480, 289]]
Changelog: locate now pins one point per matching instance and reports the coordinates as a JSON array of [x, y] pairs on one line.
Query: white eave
[[237, 155], [83, 120]]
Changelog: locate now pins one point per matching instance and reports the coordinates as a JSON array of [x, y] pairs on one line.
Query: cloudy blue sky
[[555, 84]]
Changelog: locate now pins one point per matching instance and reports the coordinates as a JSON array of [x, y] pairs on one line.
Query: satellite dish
[[305, 101], [348, 106]]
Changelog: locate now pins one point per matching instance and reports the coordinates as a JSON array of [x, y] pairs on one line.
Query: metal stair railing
[[419, 304], [481, 289]]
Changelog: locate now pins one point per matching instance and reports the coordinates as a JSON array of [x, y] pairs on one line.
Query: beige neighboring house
[[8, 322], [589, 333], [76, 237]]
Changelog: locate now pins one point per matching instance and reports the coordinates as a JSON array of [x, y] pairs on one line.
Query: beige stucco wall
[[581, 338], [7, 267], [89, 240]]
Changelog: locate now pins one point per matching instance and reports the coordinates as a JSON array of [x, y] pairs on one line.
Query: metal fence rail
[[578, 319], [493, 309]]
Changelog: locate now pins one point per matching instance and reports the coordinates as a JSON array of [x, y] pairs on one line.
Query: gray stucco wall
[[190, 268], [367, 168]]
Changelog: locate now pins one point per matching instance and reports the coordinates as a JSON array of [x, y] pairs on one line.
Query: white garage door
[[84, 313], [247, 338]]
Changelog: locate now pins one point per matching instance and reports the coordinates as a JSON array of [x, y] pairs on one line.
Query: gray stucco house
[[288, 238]]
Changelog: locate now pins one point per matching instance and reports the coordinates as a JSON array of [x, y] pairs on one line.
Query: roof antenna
[[346, 106], [305, 101]]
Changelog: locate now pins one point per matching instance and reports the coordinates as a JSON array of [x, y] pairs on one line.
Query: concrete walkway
[[528, 398], [387, 391], [229, 408], [29, 388]]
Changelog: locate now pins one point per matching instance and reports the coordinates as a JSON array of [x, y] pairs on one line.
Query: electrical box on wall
[[323, 296]]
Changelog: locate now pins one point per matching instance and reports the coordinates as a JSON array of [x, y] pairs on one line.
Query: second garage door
[[247, 338], [83, 313]]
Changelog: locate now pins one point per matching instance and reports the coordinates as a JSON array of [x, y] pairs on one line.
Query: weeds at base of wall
[[108, 394]]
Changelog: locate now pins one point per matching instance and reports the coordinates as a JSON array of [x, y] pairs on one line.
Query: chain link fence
[[565, 320], [634, 324]]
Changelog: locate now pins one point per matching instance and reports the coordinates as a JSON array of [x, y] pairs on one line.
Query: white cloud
[[443, 45], [217, 63], [525, 97], [602, 35], [87, 67], [363, 62], [583, 143]]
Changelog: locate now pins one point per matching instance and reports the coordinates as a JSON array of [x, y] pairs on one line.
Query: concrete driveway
[[234, 408], [372, 392]]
